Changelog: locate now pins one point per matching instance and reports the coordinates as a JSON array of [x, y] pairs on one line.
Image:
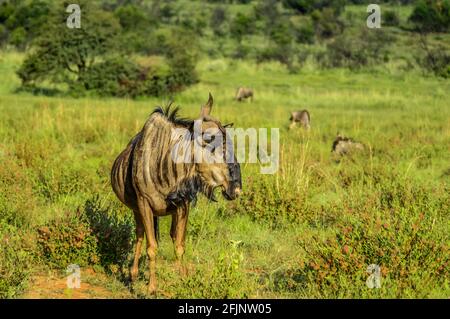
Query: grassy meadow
[[308, 231]]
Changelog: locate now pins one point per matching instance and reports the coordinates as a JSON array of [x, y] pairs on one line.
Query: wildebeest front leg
[[137, 253], [178, 233], [147, 217]]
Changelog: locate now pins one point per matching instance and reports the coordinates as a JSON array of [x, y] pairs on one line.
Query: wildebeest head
[[218, 166]]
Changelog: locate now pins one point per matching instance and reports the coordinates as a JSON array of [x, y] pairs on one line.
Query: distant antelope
[[149, 181], [244, 93], [301, 117], [345, 145]]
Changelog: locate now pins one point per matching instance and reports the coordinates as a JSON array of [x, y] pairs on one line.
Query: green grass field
[[308, 231]]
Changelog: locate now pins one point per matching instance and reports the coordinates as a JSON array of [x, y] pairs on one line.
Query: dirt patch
[[53, 285]]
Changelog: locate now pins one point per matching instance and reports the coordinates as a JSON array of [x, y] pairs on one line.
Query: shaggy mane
[[171, 114]]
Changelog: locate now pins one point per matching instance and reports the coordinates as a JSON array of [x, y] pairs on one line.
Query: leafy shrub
[[15, 261], [113, 233], [280, 48], [269, 12], [3, 35], [182, 53], [18, 38], [400, 246], [305, 34], [390, 18], [131, 17], [431, 16], [113, 77], [68, 240], [23, 20], [242, 25], [434, 60], [326, 23], [353, 52], [94, 235], [270, 204], [275, 53], [17, 200], [218, 19]]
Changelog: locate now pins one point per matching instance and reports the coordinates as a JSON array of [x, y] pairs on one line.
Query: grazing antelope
[[301, 117], [244, 93], [148, 179], [345, 145]]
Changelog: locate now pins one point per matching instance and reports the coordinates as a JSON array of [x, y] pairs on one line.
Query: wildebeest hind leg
[[147, 217], [138, 247]]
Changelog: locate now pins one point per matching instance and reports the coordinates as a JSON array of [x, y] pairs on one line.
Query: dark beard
[[188, 190]]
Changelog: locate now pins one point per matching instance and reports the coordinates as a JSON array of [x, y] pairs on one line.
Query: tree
[[326, 23], [218, 18], [64, 54], [131, 17], [23, 20], [242, 24], [182, 55]]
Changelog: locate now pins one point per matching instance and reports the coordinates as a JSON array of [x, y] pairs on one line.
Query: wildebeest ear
[[228, 125], [206, 109]]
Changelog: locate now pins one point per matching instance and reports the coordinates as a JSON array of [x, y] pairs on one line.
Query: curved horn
[[206, 109]]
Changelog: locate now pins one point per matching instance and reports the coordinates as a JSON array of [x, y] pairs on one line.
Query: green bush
[[368, 48], [326, 23], [94, 235], [112, 77], [401, 246], [390, 18], [132, 17], [434, 60], [218, 20], [270, 204], [112, 231], [182, 54], [18, 38], [431, 16], [15, 261], [305, 34], [68, 240], [23, 20], [242, 25]]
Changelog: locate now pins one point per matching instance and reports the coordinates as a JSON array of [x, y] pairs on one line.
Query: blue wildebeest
[[301, 117], [243, 93], [150, 181]]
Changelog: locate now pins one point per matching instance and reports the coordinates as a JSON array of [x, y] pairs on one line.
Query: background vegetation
[[310, 230]]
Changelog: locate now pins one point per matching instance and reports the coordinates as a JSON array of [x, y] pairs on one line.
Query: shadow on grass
[[40, 91]]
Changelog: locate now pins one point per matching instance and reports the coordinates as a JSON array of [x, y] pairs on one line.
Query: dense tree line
[[97, 57]]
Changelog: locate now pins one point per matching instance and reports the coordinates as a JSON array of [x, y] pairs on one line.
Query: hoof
[[151, 291]]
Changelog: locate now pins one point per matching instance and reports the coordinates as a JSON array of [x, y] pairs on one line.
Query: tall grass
[[308, 231]]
